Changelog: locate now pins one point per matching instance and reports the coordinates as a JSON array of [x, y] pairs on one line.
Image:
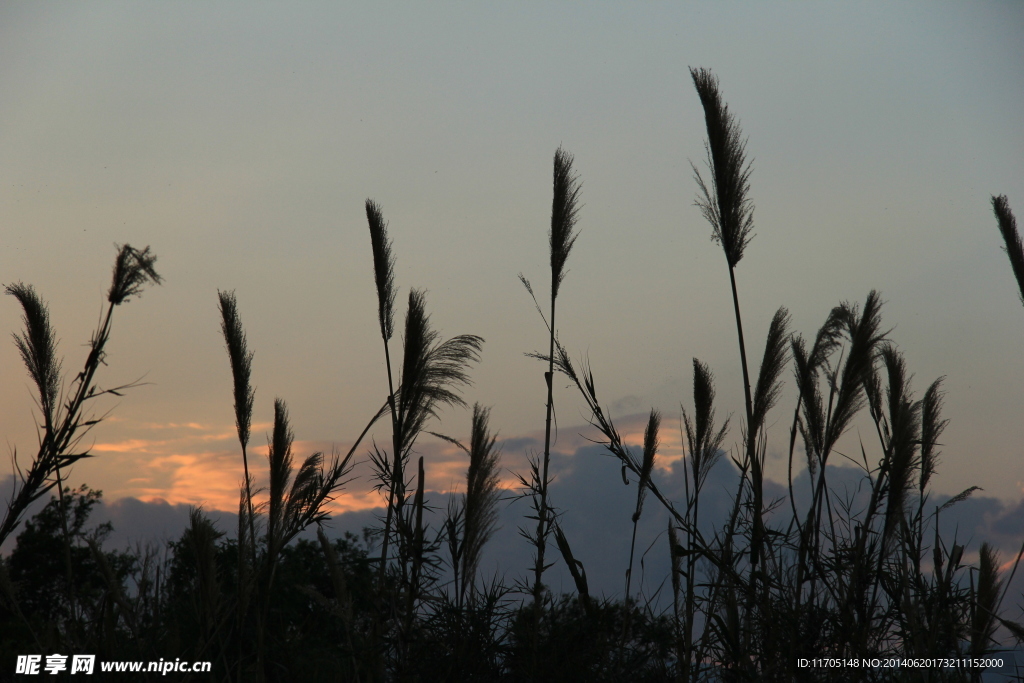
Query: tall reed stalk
[[384, 279], [561, 238]]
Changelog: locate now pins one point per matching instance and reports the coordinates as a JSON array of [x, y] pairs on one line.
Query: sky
[[240, 142]]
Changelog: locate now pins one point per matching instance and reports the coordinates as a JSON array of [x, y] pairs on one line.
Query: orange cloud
[[201, 464]]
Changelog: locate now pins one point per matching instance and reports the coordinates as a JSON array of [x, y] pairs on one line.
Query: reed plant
[[561, 239], [65, 421]]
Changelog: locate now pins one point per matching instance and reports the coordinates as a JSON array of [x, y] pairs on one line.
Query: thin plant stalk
[[564, 212], [384, 278]]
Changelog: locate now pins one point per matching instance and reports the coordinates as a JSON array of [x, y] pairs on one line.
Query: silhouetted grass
[[821, 572]]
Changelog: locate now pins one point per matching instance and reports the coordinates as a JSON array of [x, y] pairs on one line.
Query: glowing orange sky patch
[[200, 463]]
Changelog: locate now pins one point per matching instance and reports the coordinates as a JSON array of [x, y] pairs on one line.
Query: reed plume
[[724, 203], [703, 441], [864, 330], [808, 364], [290, 509], [564, 212], [904, 437], [133, 268], [932, 426], [279, 458], [986, 598], [480, 502], [38, 347], [383, 269], [1014, 247], [651, 444], [241, 367], [769, 383], [431, 371]]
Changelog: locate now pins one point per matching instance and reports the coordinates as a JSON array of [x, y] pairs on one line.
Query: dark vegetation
[[818, 574]]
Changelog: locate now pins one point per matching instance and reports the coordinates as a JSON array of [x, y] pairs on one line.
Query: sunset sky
[[240, 141]]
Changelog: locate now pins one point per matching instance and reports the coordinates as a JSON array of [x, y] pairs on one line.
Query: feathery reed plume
[[292, 509], [280, 460], [986, 597], [313, 487], [703, 441], [766, 394], [864, 330], [704, 445], [38, 347], [241, 367], [725, 203], [651, 444], [480, 502], [564, 211], [430, 370], [1014, 247], [383, 268], [904, 435], [646, 467], [808, 364], [132, 269], [932, 426], [769, 385]]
